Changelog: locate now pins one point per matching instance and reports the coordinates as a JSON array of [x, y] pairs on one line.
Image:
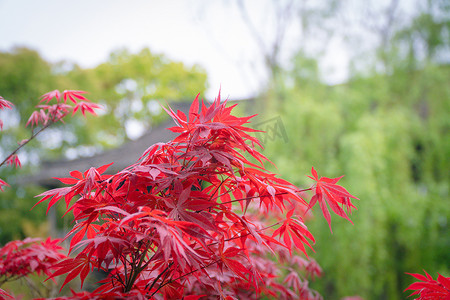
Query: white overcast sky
[[209, 33]]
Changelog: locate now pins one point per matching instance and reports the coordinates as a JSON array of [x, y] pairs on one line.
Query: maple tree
[[197, 216], [193, 216]]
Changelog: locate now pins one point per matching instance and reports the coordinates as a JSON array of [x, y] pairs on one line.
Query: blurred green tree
[[389, 131]]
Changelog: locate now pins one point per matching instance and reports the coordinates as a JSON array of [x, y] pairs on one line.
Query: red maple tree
[[199, 215], [196, 217]]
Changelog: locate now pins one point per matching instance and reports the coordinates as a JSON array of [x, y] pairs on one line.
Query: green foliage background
[[395, 159], [388, 132]]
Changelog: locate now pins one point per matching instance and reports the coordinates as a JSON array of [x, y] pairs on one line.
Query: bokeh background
[[360, 88]]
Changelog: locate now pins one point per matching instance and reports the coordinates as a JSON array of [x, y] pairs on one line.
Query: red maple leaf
[[74, 95], [294, 230], [83, 183], [429, 289], [327, 191], [50, 95], [226, 258], [189, 209], [81, 265]]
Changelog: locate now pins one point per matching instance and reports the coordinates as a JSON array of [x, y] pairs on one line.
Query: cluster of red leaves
[[46, 115], [193, 217], [50, 113], [429, 289], [23, 257]]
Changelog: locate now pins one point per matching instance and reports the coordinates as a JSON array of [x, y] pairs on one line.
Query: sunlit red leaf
[[86, 107], [73, 267], [327, 191], [74, 96], [293, 230]]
